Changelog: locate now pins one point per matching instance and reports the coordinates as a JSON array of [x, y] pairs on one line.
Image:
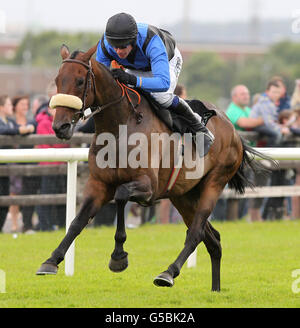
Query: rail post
[[70, 214]]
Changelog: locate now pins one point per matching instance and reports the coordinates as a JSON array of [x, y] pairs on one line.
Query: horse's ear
[[87, 56], [64, 52]]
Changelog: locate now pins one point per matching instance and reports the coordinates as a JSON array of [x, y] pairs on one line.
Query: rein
[[97, 109]]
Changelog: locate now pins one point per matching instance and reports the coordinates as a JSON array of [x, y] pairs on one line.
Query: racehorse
[[83, 83]]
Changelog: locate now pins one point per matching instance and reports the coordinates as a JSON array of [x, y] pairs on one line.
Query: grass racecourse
[[257, 266]]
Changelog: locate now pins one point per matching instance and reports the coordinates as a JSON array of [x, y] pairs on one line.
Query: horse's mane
[[75, 53], [105, 67]]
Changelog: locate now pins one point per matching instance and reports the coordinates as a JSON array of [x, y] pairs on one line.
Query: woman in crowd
[[8, 126], [50, 216], [20, 110]]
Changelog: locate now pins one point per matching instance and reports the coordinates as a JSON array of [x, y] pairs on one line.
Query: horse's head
[[75, 90]]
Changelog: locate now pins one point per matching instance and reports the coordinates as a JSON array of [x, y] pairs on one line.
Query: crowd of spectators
[[272, 113], [19, 116]]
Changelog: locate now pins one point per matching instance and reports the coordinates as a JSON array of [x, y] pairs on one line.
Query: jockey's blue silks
[[139, 58]]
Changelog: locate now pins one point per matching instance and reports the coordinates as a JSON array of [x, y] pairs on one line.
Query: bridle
[[89, 84]]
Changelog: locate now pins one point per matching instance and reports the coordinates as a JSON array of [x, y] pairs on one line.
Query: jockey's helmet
[[121, 30]]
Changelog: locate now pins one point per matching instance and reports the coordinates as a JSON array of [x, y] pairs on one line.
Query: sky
[[91, 15]]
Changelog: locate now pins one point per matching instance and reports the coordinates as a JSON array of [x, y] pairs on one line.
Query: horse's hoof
[[47, 268], [164, 280], [118, 265]]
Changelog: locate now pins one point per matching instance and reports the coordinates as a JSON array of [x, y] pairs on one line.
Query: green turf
[[257, 264]]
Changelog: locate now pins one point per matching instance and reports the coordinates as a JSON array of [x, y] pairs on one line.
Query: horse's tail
[[241, 179]]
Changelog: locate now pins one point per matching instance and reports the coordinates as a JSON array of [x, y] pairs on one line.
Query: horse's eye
[[79, 82]]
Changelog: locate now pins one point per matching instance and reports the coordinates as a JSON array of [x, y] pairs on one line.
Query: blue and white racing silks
[[154, 58]]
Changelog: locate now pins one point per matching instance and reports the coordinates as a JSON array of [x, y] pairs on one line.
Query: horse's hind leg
[[138, 190], [195, 208], [212, 242], [96, 197]]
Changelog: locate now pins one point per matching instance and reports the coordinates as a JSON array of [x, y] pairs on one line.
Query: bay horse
[[82, 83]]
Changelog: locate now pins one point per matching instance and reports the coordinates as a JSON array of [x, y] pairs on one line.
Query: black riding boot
[[195, 121]]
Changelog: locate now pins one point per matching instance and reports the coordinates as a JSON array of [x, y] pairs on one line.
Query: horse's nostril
[[62, 131], [65, 127]]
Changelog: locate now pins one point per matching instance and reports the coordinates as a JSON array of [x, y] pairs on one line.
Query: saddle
[[174, 121]]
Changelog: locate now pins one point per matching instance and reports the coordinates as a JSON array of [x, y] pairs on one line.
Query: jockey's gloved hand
[[124, 77]]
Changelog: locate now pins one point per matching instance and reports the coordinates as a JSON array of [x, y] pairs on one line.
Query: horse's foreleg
[[90, 207], [119, 258], [136, 190]]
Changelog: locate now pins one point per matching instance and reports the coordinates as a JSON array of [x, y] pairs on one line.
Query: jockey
[[152, 61]]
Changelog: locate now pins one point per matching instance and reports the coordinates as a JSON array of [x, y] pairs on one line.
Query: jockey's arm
[[158, 57], [160, 81]]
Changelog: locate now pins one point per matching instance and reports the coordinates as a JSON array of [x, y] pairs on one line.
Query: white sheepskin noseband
[[64, 100]]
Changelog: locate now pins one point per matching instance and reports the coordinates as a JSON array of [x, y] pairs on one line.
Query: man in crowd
[[284, 101], [238, 111], [267, 109]]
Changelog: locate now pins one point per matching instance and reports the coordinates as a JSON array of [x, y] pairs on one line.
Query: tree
[[44, 48], [209, 77], [203, 75]]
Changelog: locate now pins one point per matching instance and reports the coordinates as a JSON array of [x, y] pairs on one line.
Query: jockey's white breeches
[[175, 65]]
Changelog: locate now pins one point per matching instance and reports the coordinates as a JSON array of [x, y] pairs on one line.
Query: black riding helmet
[[121, 30]]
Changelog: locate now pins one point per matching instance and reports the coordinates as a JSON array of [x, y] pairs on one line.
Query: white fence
[[73, 155], [70, 155]]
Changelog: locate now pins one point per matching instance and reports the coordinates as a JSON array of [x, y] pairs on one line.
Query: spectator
[[31, 184], [284, 101], [273, 131], [291, 118], [275, 207], [20, 108], [39, 103], [295, 101], [50, 215], [8, 127], [238, 111], [255, 98], [294, 124], [295, 104], [267, 109]]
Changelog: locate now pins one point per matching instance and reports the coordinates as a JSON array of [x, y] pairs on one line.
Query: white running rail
[[73, 155]]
